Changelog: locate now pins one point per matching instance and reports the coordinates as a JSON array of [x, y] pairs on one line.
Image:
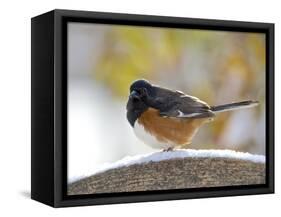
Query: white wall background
[[15, 107]]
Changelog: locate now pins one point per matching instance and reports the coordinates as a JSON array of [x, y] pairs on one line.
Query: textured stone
[[173, 174]]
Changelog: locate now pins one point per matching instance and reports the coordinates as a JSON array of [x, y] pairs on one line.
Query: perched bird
[[166, 119]]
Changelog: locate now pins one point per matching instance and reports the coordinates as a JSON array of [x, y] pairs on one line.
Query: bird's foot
[[168, 149]]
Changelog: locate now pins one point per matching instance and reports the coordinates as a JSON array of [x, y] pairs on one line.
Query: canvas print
[[152, 108]]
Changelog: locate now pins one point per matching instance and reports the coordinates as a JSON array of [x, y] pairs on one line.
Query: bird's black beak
[[134, 95]]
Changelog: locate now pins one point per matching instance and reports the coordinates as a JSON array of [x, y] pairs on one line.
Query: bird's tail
[[234, 106]]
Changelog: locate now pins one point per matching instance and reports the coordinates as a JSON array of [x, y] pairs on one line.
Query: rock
[[174, 173]]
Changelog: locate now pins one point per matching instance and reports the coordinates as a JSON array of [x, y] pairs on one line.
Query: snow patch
[[179, 153]]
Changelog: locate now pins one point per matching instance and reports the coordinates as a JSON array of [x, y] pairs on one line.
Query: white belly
[[149, 139]]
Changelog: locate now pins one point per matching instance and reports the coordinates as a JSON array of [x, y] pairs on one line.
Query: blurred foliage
[[130, 53]]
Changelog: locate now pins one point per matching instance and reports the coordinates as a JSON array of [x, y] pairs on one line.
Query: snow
[[179, 153]]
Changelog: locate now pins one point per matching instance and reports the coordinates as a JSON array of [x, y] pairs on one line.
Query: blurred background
[[216, 66]]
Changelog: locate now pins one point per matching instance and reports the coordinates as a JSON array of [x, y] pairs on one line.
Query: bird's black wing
[[179, 105]]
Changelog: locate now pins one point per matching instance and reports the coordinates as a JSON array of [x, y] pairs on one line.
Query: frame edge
[[42, 125]]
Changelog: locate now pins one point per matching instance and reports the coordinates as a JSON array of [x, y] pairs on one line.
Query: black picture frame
[[49, 107]]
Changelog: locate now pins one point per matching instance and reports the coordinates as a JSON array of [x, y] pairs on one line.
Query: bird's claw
[[168, 149]]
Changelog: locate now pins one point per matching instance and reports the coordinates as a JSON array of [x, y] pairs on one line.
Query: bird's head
[[141, 91]]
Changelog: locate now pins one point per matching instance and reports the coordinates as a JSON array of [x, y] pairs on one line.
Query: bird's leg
[[168, 149]]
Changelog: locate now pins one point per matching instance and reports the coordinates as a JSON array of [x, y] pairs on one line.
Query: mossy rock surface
[[175, 173]]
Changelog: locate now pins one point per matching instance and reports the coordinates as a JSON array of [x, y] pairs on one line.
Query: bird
[[166, 119]]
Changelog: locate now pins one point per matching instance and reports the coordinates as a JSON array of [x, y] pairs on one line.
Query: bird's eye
[[143, 91]]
